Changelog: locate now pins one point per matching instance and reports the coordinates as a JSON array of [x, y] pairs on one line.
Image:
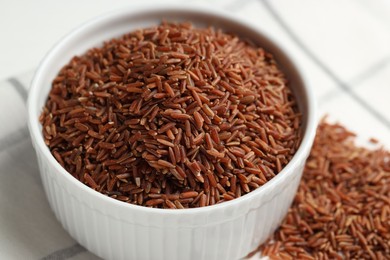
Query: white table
[[343, 46]]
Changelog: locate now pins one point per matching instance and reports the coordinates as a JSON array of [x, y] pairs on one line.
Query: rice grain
[[154, 118], [341, 210]]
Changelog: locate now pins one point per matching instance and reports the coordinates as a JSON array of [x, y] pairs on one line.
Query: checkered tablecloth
[[343, 47]]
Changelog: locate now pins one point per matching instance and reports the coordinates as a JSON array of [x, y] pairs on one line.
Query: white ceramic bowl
[[115, 230]]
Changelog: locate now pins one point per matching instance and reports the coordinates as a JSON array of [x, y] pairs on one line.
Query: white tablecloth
[[343, 46]]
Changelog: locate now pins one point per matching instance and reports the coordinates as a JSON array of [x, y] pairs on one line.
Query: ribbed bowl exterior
[[115, 230]]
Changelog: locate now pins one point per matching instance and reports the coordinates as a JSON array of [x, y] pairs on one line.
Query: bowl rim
[[37, 138]]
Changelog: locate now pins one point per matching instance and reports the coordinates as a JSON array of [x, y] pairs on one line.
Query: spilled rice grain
[[342, 208]]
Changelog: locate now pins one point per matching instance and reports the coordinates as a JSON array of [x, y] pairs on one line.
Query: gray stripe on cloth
[[237, 5], [14, 138], [342, 85], [65, 253], [19, 87], [371, 71], [365, 75]]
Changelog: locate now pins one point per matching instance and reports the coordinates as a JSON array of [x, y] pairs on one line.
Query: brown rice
[[172, 117], [342, 208]]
